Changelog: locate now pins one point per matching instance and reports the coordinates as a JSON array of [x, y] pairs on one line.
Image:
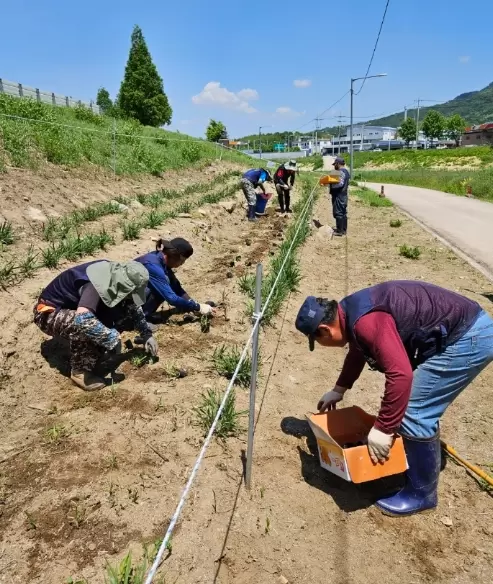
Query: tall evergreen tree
[[141, 94]]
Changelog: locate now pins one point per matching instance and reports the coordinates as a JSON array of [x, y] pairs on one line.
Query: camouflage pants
[[249, 191], [84, 353]]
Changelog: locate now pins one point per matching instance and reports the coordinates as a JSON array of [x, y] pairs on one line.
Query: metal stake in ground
[[253, 379]]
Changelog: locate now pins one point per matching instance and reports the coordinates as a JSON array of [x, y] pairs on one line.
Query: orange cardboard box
[[350, 425]]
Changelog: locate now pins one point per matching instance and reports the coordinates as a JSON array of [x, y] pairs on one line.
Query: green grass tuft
[[206, 411], [225, 361], [409, 252]]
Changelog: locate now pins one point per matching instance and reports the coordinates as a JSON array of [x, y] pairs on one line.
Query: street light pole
[[417, 124], [351, 150], [259, 139]]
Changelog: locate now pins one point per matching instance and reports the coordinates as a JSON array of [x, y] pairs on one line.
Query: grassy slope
[[77, 137]]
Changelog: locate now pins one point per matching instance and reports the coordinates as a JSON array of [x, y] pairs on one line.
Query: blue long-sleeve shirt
[[164, 284]]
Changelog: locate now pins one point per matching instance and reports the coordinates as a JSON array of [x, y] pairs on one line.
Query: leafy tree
[[433, 125], [141, 94], [407, 131], [103, 99], [216, 131], [455, 126]]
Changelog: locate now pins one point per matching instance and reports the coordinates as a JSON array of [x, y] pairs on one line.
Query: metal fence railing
[[20, 90]]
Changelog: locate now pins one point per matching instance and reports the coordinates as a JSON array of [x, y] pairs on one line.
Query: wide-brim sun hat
[[291, 165], [114, 281]]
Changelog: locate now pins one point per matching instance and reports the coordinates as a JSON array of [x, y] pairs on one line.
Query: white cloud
[[302, 82], [248, 94], [287, 111], [214, 94], [464, 59]]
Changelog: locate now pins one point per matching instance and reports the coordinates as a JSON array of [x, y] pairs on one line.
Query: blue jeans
[[440, 379]]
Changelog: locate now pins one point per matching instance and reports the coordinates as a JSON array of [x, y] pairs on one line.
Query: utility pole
[[417, 124], [317, 128], [405, 112], [351, 152]]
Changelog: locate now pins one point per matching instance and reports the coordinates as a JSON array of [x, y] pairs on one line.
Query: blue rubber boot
[[420, 492]]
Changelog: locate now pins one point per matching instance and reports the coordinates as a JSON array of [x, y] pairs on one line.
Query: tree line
[[434, 126]]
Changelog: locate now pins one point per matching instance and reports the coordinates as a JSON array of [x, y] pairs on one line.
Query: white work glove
[[379, 445], [151, 346], [206, 309], [328, 400]]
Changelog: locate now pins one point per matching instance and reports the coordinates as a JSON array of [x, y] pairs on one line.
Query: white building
[[363, 134], [308, 144]]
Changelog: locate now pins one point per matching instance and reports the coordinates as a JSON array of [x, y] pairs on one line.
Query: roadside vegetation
[[371, 198], [450, 181], [410, 159]]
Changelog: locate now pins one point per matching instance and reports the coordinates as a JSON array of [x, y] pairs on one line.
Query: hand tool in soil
[[472, 467]]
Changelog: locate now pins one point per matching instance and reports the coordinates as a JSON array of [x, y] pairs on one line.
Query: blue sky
[[238, 61]]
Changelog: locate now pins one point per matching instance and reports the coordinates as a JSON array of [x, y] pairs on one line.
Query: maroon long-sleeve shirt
[[377, 331]]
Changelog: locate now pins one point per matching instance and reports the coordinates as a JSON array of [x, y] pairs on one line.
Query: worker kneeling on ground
[[163, 284], [253, 178], [84, 304], [430, 343], [284, 181]]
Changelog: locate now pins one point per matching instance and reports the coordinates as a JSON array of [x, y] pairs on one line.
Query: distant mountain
[[476, 107]]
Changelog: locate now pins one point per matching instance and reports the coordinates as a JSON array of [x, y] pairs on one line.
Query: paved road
[[465, 223]]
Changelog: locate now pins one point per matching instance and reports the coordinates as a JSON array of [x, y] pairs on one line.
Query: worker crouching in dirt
[[253, 178], [430, 343], [163, 285], [284, 181], [85, 305]]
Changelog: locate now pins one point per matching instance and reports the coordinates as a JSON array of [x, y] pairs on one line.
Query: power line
[[375, 47]]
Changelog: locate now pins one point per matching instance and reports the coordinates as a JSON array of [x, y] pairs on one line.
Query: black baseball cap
[[309, 318], [339, 160]]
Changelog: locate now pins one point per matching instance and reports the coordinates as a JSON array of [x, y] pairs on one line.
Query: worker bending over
[[85, 305], [163, 284], [430, 343], [284, 181], [253, 178]]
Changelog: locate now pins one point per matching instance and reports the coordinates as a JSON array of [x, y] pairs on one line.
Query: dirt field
[[112, 478]]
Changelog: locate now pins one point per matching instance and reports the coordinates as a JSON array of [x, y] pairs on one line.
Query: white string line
[[205, 446]]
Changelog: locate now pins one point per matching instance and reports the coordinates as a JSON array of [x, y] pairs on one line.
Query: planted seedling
[[77, 515], [31, 522], [133, 495], [111, 461], [139, 360], [409, 252], [52, 256], [206, 411], [395, 222], [205, 323], [225, 361], [267, 526], [56, 434], [6, 233], [29, 265], [7, 272], [130, 229]]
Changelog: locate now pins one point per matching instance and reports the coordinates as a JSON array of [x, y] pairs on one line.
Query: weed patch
[[6, 233], [395, 223], [409, 252]]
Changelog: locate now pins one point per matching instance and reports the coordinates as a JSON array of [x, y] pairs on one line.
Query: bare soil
[[113, 479]]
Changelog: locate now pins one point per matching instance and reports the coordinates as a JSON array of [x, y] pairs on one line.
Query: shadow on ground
[[348, 496]]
